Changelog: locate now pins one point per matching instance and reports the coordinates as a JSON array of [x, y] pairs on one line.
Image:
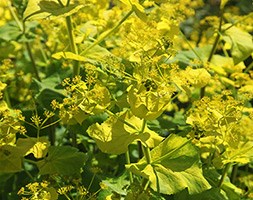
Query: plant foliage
[[126, 99]]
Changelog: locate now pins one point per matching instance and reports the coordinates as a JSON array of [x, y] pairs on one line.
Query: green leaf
[[185, 58], [212, 194], [118, 184], [64, 160], [10, 159], [231, 191], [53, 193], [240, 42], [69, 56], [37, 146], [113, 136], [96, 53], [10, 31], [174, 166], [228, 190], [242, 153], [139, 11], [46, 90], [38, 9]]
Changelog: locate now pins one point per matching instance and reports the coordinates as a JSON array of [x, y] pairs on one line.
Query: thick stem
[[234, 173], [128, 161], [140, 149], [76, 64], [73, 47], [147, 154], [224, 174]]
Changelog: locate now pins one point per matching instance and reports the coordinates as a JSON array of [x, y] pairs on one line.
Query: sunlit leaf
[[39, 9], [198, 77], [113, 136], [37, 146], [94, 54], [174, 166], [68, 56], [64, 160], [241, 44]]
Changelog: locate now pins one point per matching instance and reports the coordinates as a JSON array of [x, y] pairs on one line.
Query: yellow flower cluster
[[10, 124], [5, 14], [82, 101]]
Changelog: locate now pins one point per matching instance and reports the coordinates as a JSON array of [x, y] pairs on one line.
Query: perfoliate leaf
[[113, 136], [64, 160], [174, 166], [148, 104], [198, 77], [241, 44], [69, 56], [37, 146], [131, 3], [241, 154], [39, 9], [32, 11], [94, 54], [10, 159]]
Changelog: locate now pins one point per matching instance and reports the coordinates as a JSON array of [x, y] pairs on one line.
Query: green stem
[[249, 67], [224, 173], [38, 132], [140, 149], [215, 45], [73, 47], [22, 28], [68, 2], [35, 70], [128, 161], [13, 13], [147, 154], [107, 33], [217, 39], [30, 161], [193, 50], [234, 173], [59, 1], [239, 21], [7, 98], [51, 124]]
